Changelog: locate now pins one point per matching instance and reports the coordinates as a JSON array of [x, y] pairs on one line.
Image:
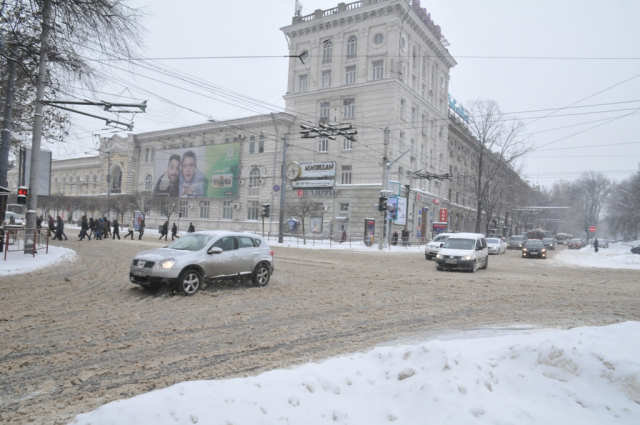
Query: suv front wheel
[[189, 281], [261, 275]]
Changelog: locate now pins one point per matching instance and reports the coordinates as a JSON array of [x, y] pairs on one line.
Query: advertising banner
[[401, 216], [392, 212], [311, 174], [198, 172], [316, 224], [316, 170], [137, 219], [443, 214]]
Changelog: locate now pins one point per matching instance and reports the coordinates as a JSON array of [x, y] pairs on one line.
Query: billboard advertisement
[[198, 172], [311, 174]]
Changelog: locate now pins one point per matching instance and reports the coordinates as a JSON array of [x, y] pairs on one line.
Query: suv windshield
[[191, 242], [460, 243]]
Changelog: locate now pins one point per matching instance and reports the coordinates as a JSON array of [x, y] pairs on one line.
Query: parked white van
[[433, 247], [464, 251]]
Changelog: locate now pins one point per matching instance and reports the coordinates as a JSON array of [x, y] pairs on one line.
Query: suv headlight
[[439, 256], [543, 250], [166, 264], [466, 257], [524, 249]]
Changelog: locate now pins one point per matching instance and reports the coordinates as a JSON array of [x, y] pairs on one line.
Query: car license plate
[[451, 262], [139, 274]]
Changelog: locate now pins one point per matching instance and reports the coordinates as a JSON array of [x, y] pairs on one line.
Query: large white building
[[373, 64]]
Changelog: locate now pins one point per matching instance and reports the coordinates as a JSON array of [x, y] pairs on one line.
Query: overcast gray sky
[[532, 57]]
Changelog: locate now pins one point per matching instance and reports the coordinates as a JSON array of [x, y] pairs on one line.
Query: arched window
[[153, 154], [64, 184], [254, 182], [95, 181], [77, 183], [56, 184], [86, 183], [327, 52], [352, 47], [252, 144], [116, 179], [148, 182], [146, 155]]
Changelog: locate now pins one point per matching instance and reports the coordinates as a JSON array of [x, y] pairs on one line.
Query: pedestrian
[[174, 232], [141, 229], [52, 226], [98, 229], [191, 228], [39, 223], [405, 237], [92, 227], [394, 238], [595, 245], [106, 227], [130, 229], [84, 227], [343, 238], [60, 229], [116, 229], [165, 230], [12, 220]]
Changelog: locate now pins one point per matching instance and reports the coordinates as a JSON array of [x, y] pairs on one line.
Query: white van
[[433, 247], [464, 251]]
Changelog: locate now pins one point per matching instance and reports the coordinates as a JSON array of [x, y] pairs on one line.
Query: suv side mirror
[[215, 250], [478, 248], [441, 245]]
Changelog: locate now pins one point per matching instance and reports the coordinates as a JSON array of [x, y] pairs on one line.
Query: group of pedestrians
[[165, 230], [98, 229]]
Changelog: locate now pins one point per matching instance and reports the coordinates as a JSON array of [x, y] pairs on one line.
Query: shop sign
[[318, 193], [443, 214], [436, 201], [312, 183]]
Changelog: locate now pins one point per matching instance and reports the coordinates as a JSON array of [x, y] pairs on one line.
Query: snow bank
[[580, 376], [19, 262], [617, 256]]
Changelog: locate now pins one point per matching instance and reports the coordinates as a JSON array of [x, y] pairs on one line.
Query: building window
[[344, 206], [78, 187], [153, 154], [422, 154], [377, 70], [457, 197], [349, 108], [95, 181], [414, 62], [302, 83], [423, 93], [184, 208], [401, 143], [327, 52], [252, 144], [252, 210], [204, 209], [378, 39], [146, 155], [424, 124], [227, 210], [352, 47], [346, 174], [116, 179], [449, 198], [413, 147], [326, 78], [148, 182], [414, 85], [324, 111], [433, 129], [323, 145], [413, 115], [347, 144], [402, 106], [424, 67], [254, 183], [261, 143], [350, 75]]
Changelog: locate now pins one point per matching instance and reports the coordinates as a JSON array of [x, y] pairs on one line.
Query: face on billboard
[[188, 168], [173, 170]]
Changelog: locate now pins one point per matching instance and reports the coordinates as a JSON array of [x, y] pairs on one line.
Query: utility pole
[[32, 203], [108, 183], [283, 187], [385, 185], [6, 127]]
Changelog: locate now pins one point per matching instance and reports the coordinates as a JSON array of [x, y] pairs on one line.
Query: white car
[[432, 248], [20, 220], [463, 251], [496, 246]]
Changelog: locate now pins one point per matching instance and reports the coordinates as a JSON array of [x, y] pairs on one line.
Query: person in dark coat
[[343, 238], [141, 229], [116, 229], [394, 238], [595, 245], [39, 222], [165, 230], [98, 229], [52, 226], [60, 230], [106, 227], [191, 228], [92, 227], [84, 227], [174, 232]]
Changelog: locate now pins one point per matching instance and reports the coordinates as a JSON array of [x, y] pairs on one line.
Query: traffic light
[[23, 192], [265, 210], [382, 204]]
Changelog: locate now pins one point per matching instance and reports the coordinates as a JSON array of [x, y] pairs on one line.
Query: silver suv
[[198, 257]]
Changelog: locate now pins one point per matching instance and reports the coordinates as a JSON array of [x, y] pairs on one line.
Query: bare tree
[[499, 147], [589, 194], [144, 201], [302, 210], [122, 204], [623, 214]]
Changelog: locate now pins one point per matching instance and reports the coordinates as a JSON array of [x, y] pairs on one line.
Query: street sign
[[592, 229], [276, 187]]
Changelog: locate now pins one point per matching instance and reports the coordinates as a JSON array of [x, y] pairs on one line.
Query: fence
[[351, 241], [15, 239]]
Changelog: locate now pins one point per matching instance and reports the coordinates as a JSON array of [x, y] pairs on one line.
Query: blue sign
[[458, 109], [276, 188]]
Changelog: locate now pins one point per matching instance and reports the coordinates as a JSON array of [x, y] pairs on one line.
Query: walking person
[[130, 229], [165, 230], [39, 223], [106, 227], [191, 228], [60, 229], [595, 245], [92, 227], [394, 238], [174, 232], [116, 229], [343, 238], [84, 227], [141, 229], [52, 226], [98, 229]]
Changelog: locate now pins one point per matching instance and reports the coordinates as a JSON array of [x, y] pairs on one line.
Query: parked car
[[549, 243], [516, 242], [534, 248], [463, 251], [20, 220], [433, 247], [577, 243], [602, 242], [496, 246], [200, 257]]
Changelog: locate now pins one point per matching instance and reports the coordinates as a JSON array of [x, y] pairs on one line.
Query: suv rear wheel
[[189, 281], [261, 275]]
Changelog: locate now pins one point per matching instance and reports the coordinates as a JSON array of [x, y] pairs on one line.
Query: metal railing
[[351, 241], [16, 239]]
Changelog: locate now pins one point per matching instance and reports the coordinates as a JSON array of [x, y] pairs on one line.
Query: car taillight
[[271, 252]]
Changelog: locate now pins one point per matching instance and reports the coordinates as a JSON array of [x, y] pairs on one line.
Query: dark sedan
[[534, 248], [549, 243]]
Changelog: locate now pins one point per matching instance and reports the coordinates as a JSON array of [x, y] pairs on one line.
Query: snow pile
[[580, 376], [19, 262], [617, 256]]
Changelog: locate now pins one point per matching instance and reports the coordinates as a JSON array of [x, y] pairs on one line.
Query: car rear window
[[493, 241]]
